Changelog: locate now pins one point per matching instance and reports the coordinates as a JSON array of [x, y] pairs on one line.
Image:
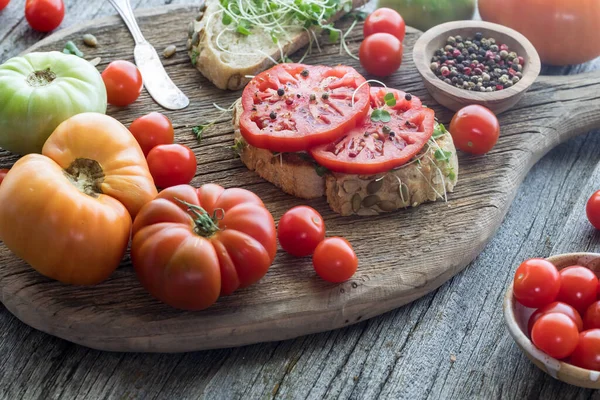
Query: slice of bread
[[424, 179], [226, 57]]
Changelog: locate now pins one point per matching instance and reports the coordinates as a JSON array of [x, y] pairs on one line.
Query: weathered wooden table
[[451, 343]]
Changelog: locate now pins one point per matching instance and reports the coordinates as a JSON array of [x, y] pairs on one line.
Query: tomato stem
[[41, 78], [206, 225]]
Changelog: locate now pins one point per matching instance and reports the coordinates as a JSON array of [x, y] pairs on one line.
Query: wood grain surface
[[403, 255], [450, 344]]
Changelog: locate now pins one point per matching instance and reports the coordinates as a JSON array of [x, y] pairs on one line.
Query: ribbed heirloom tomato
[[68, 211], [192, 245]]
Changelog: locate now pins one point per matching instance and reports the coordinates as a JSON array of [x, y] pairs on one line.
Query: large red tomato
[[562, 31], [292, 107], [378, 146], [192, 245]]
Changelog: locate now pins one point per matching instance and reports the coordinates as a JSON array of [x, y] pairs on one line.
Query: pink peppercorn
[[467, 71], [521, 60], [446, 72], [499, 87], [456, 53], [503, 47], [511, 72]]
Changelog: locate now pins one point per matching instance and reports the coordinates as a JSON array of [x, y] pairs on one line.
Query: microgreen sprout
[[277, 18]]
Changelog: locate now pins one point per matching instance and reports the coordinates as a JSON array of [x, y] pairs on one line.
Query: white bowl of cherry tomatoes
[[552, 311]]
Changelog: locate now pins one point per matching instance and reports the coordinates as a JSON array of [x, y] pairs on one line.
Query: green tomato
[[425, 14], [39, 91]]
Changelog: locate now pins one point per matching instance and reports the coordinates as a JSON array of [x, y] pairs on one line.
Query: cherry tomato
[[151, 130], [578, 287], [123, 83], [385, 20], [44, 15], [380, 54], [555, 334], [3, 173], [587, 352], [171, 165], [592, 209], [300, 230], [334, 260], [293, 107], [475, 129], [3, 4], [556, 307], [591, 318], [536, 283]]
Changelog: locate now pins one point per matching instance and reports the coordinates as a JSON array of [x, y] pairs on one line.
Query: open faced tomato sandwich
[[323, 131]]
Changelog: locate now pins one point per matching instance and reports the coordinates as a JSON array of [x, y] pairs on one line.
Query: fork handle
[[123, 7]]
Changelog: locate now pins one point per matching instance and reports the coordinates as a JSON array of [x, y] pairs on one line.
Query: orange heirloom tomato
[[192, 245], [68, 211]]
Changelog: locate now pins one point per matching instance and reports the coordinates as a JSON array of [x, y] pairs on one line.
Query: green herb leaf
[[238, 146], [439, 130], [194, 57], [379, 114], [334, 35], [390, 100], [71, 48], [320, 170], [442, 155], [451, 175], [226, 19], [199, 130]]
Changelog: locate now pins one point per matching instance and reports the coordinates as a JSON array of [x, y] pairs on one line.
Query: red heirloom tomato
[[123, 83], [3, 173], [292, 107], [44, 15], [578, 287], [377, 146], [191, 245], [475, 129], [334, 260], [380, 54], [151, 130], [592, 209], [556, 307], [591, 318], [300, 230], [536, 283], [555, 334], [385, 20], [587, 352], [172, 164]]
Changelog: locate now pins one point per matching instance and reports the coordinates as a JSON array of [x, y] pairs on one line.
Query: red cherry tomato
[[591, 318], [587, 352], [385, 20], [123, 83], [578, 287], [380, 54], [171, 165], [3, 173], [334, 260], [44, 15], [475, 129], [592, 209], [300, 230], [151, 130], [536, 283], [556, 307], [555, 334], [3, 4]]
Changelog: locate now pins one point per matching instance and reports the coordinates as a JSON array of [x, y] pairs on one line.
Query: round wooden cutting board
[[403, 255]]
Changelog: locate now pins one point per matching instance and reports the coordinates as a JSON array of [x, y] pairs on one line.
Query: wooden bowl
[[517, 316], [455, 98]]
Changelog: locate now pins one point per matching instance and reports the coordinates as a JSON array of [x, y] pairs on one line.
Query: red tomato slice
[[292, 107], [371, 148]]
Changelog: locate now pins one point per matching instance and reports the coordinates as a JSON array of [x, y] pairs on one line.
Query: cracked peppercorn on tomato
[[192, 245], [68, 211]]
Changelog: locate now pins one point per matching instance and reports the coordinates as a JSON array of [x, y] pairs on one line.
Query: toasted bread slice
[[423, 179], [226, 57]]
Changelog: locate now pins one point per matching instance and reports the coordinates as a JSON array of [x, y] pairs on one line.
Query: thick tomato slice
[[375, 147], [292, 107]]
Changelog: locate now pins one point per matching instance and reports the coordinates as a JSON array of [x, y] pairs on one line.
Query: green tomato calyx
[[86, 175], [41, 78], [206, 226]]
